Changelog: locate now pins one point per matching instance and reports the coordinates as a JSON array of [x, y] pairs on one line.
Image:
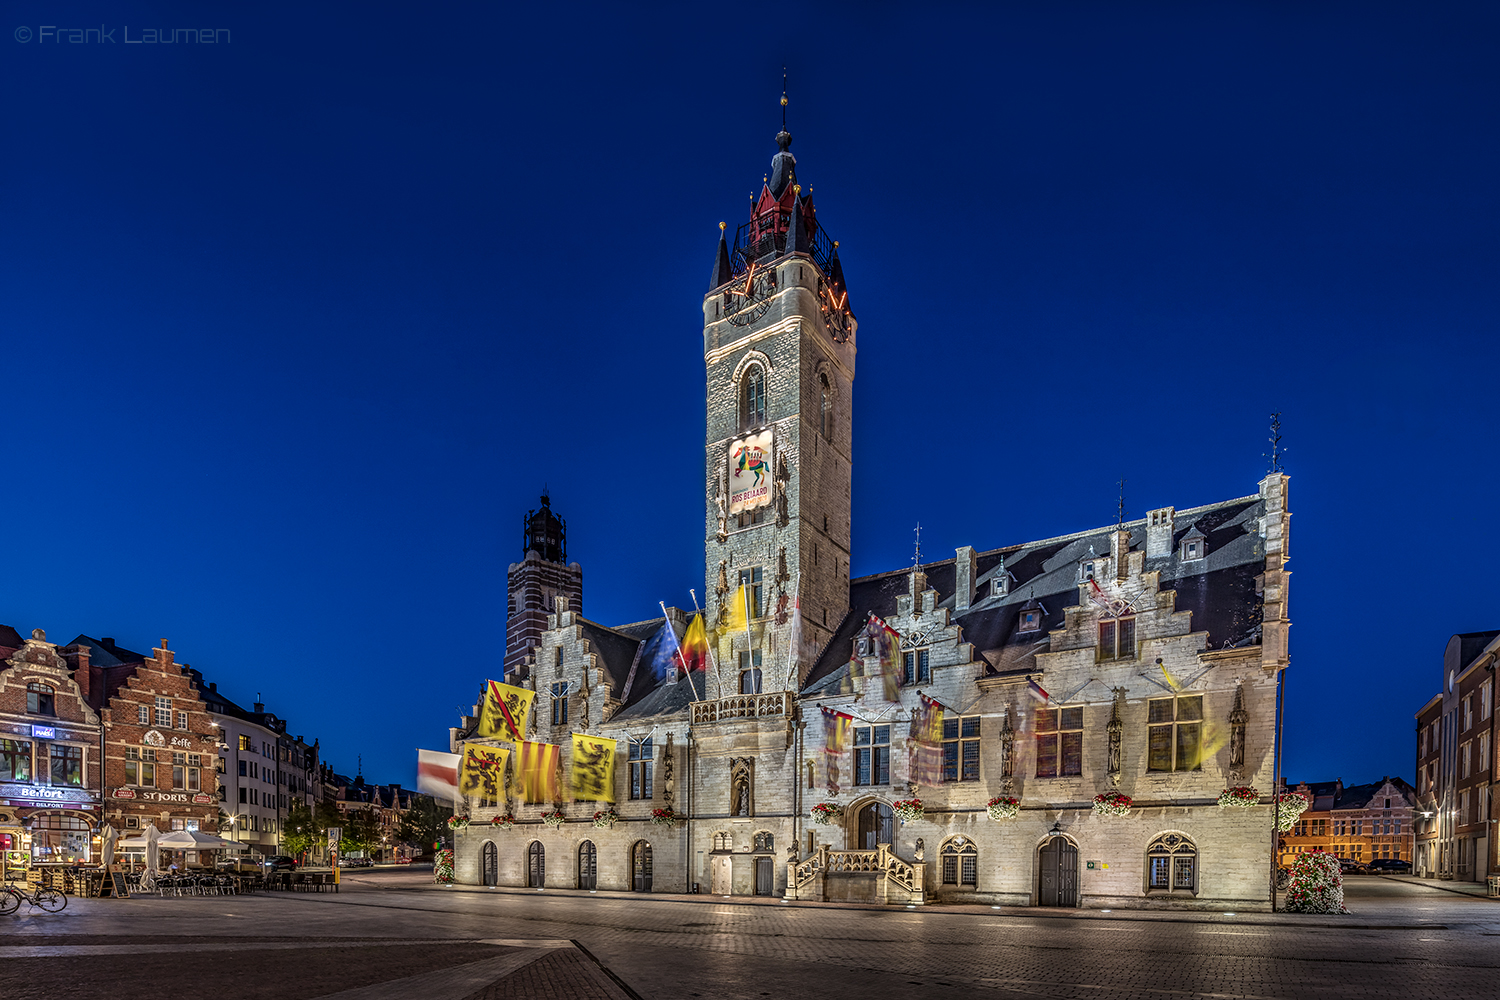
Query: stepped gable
[[1221, 590]]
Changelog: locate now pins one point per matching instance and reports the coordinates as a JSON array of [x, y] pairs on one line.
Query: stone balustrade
[[743, 706]]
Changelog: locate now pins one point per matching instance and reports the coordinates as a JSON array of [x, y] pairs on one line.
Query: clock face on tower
[[749, 297], [836, 318]]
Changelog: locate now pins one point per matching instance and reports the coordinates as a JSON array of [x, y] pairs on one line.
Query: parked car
[[1390, 866], [279, 863], [356, 863], [241, 864], [1349, 866]]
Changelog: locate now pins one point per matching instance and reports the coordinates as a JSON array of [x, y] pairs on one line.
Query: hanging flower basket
[[1292, 805], [1241, 797], [442, 868], [1315, 884], [457, 822], [664, 817], [825, 812], [908, 810], [1003, 807], [554, 818], [1112, 804], [504, 822], [606, 818]]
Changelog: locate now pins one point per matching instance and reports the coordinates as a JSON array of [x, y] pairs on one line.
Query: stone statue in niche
[[1007, 753], [741, 791], [720, 501], [920, 851], [1237, 720], [667, 782], [1116, 731]]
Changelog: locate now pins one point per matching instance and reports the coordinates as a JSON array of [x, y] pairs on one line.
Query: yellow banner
[[506, 709], [483, 772], [538, 763], [593, 769]]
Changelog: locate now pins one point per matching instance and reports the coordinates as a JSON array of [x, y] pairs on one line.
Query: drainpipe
[[1276, 781]]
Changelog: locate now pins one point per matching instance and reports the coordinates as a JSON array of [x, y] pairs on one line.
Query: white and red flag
[[437, 774]]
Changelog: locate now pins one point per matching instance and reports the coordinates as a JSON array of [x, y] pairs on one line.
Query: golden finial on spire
[[796, 189], [722, 227]]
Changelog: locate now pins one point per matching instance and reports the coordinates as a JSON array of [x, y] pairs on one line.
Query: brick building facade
[[1142, 658], [161, 747], [49, 756], [534, 584]]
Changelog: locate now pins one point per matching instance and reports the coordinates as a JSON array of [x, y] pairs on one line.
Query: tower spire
[[1120, 517], [783, 98]]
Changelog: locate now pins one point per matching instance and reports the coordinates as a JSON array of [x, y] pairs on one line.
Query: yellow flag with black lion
[[593, 769]]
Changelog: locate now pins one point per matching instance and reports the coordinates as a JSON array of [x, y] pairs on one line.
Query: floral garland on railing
[[504, 822], [1292, 805], [1004, 807], [554, 817], [442, 868], [908, 810], [824, 813], [606, 818], [1241, 796], [457, 822], [1112, 804], [1315, 884], [664, 817]]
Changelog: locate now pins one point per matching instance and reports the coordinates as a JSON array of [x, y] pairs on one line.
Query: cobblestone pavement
[[394, 935]]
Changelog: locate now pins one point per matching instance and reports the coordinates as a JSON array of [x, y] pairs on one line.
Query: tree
[[299, 831], [361, 832], [424, 824]]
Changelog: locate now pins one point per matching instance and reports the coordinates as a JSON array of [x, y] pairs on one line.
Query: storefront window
[[67, 765], [59, 839], [15, 760]]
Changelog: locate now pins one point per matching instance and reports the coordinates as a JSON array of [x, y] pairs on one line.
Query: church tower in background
[[535, 583], [778, 346]]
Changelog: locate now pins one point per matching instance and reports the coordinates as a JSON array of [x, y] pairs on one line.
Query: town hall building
[[1045, 723]]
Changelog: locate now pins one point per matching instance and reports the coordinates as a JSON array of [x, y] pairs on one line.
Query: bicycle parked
[[50, 900]]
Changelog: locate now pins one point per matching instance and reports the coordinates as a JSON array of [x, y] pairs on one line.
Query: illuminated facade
[[1139, 660]]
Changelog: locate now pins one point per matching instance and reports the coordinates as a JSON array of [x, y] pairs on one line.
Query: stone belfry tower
[[778, 346], [535, 583]]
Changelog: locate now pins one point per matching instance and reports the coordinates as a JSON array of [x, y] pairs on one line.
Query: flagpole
[[667, 624], [711, 660], [749, 639]]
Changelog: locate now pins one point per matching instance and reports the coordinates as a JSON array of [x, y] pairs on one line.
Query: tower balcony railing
[[764, 238], [743, 706]]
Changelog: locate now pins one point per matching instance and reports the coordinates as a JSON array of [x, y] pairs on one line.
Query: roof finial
[[916, 559], [783, 98], [1120, 519], [1276, 449]]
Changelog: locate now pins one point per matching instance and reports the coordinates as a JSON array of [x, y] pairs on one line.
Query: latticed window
[[163, 711], [1172, 864], [560, 702], [182, 720], [750, 662], [961, 749], [753, 397], [1117, 639], [765, 841], [826, 409], [1059, 742], [641, 754], [15, 760], [960, 860], [917, 667], [140, 766], [67, 765], [872, 755], [1175, 733]]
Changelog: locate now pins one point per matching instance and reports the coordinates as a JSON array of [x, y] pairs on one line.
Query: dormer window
[[1030, 621], [1086, 571], [1194, 545]]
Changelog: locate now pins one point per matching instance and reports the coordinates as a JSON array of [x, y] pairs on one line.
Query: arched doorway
[[536, 866], [1057, 873], [588, 865], [877, 825], [640, 866], [489, 864]]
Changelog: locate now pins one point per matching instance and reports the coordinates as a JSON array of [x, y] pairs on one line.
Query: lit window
[[1059, 742], [67, 765], [15, 760], [960, 863], [752, 398], [1117, 638], [872, 755], [1174, 733]]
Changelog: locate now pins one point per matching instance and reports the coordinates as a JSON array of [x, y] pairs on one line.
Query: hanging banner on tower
[[750, 472]]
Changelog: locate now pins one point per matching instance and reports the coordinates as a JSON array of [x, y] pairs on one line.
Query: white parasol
[[153, 855], [111, 835], [195, 840]]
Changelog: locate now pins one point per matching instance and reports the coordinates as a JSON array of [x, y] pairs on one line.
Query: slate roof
[[10, 639], [1220, 590], [665, 699]]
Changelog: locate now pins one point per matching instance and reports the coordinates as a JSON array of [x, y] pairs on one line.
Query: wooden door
[[588, 865], [877, 825], [489, 864], [640, 864], [764, 879], [536, 866], [1057, 873]]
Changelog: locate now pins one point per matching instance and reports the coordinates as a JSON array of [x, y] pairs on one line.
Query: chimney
[[963, 585], [1119, 552], [78, 661], [1159, 527]]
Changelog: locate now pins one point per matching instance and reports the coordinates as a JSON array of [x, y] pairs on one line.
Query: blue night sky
[[296, 327]]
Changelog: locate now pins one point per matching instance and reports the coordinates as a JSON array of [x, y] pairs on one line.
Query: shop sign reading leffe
[[153, 738]]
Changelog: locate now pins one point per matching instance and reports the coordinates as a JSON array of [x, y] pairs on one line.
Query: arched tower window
[[752, 397], [825, 408]]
